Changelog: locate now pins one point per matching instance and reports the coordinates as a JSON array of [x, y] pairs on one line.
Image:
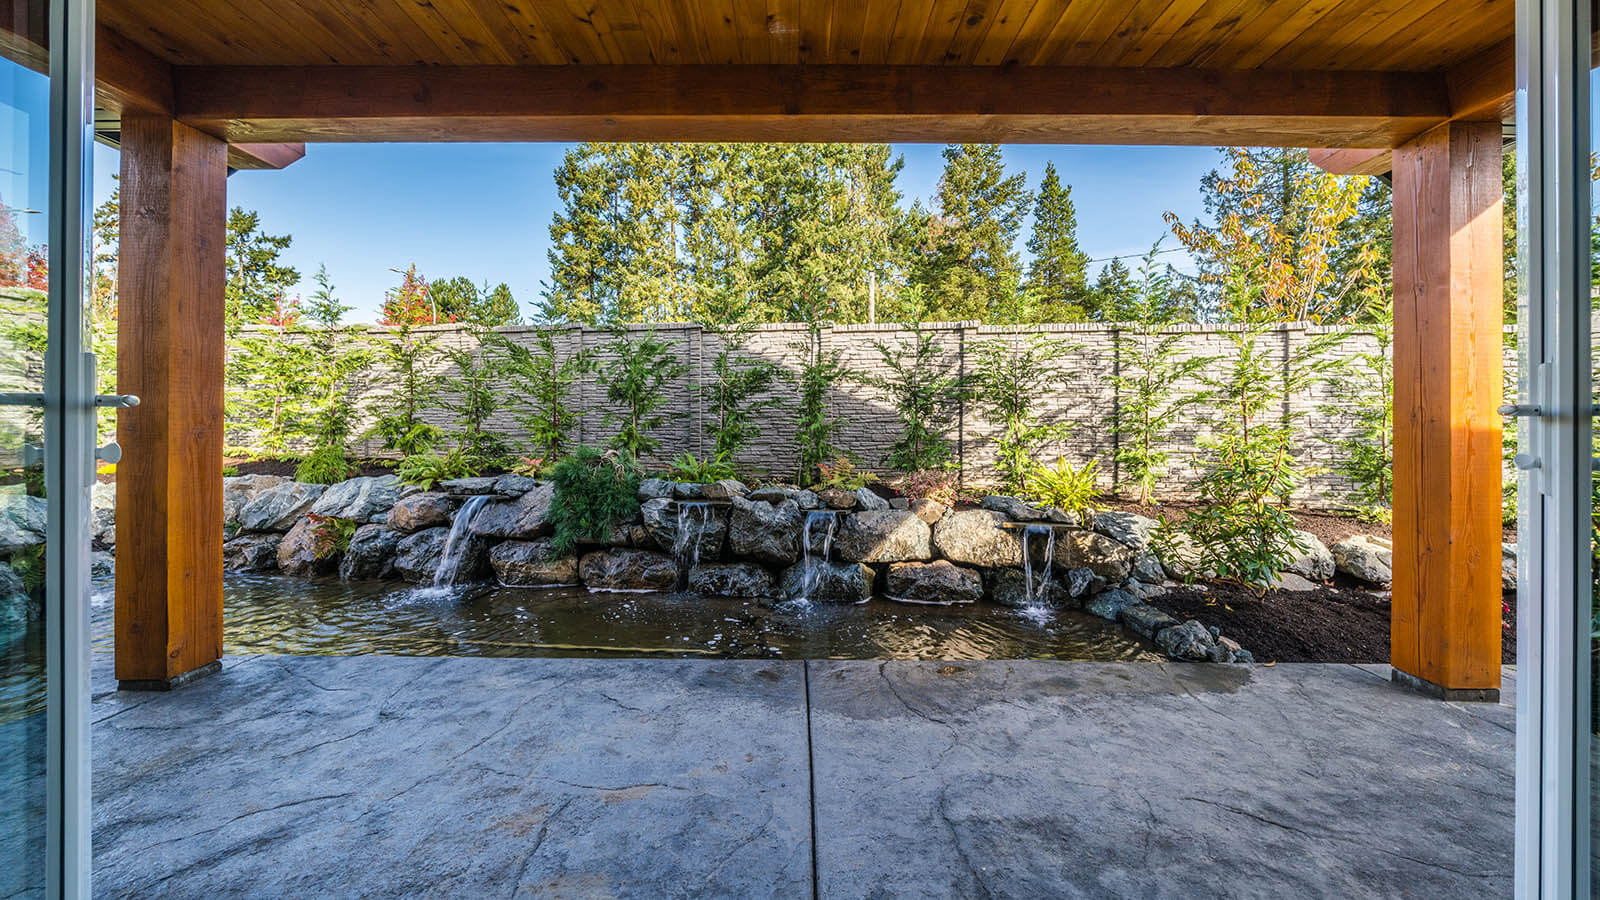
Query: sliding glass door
[[46, 448]]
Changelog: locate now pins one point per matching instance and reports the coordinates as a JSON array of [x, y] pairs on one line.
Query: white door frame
[[1555, 410]]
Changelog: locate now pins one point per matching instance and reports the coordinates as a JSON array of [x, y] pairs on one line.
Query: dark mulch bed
[[1332, 624]]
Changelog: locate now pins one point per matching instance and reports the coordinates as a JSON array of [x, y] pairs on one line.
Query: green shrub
[[426, 470], [325, 465], [841, 474], [926, 391], [815, 424], [1071, 488], [594, 491], [635, 379], [1011, 380], [701, 471]]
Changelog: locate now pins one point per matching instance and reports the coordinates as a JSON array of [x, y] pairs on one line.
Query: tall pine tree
[[969, 268], [1058, 277]]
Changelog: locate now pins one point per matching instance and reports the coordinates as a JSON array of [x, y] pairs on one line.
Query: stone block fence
[[1087, 397]]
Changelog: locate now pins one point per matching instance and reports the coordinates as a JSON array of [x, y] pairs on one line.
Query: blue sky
[[483, 210]]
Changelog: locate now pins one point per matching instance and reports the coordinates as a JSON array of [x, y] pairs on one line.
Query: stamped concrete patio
[[381, 776]]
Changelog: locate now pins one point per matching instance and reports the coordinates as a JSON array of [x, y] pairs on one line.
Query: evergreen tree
[[970, 268], [256, 280], [1114, 292], [409, 357], [13, 248], [740, 389], [542, 379], [411, 303], [635, 379], [336, 355], [1058, 275], [456, 299], [496, 306], [472, 394], [582, 252]]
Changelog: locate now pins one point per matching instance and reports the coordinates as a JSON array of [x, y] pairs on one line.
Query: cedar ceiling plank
[[537, 46], [332, 44], [1400, 20], [1057, 46], [447, 44], [1096, 31], [783, 31], [181, 35], [1035, 33], [1014, 18], [972, 28], [1344, 19], [1140, 17], [1315, 20], [1448, 34], [485, 42], [943, 20], [849, 31], [661, 28], [722, 37], [1206, 31], [569, 22], [877, 31], [1177, 17], [620, 20], [750, 20], [1256, 26], [910, 21]]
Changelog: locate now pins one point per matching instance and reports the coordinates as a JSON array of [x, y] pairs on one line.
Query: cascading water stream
[[455, 544], [1035, 595], [686, 544], [813, 516]]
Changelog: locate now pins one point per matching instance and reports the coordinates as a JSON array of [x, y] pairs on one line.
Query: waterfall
[[455, 544], [815, 515], [686, 549], [1035, 595]]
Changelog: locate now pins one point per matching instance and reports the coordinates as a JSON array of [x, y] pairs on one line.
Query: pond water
[[277, 614]]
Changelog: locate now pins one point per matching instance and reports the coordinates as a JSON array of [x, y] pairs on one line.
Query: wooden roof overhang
[[1361, 74]]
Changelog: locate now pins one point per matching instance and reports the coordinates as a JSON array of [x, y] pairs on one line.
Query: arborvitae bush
[[926, 394], [412, 389], [815, 423], [472, 395], [635, 380], [738, 392], [1011, 379], [544, 379], [594, 491], [336, 356]]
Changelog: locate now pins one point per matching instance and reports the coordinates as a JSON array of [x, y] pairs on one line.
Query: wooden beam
[[1447, 372], [170, 353], [128, 77], [264, 156], [787, 103], [1352, 162]]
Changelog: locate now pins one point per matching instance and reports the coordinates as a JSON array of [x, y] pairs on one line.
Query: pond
[[280, 614]]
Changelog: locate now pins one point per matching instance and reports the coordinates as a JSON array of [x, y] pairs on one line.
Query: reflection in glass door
[[46, 448]]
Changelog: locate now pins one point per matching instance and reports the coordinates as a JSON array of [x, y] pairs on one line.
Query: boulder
[[651, 488], [724, 489], [511, 485], [1292, 581], [941, 583], [806, 500], [1181, 560], [867, 498], [824, 582], [416, 556], [370, 554], [469, 487], [279, 508], [628, 570], [419, 511], [239, 490], [1315, 563], [886, 535], [1147, 567], [765, 532], [1014, 509], [704, 528], [688, 490], [358, 499], [1364, 558], [1189, 641], [820, 531], [252, 553], [17, 607], [732, 580], [770, 494], [304, 552], [1508, 567], [974, 537], [1109, 604], [1129, 528], [1145, 591], [930, 511], [22, 521], [1082, 582], [102, 564], [531, 564], [837, 498], [1107, 558], [523, 519], [899, 503], [103, 514], [1007, 588], [1145, 620]]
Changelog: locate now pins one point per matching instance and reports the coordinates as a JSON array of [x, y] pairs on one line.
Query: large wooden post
[[1445, 630], [170, 352]]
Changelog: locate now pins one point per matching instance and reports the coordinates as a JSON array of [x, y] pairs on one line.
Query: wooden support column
[[170, 352], [1445, 628]]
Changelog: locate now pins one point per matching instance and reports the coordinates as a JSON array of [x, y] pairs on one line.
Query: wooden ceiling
[[1384, 35]]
